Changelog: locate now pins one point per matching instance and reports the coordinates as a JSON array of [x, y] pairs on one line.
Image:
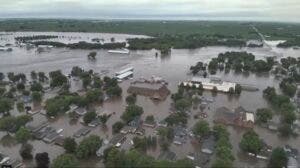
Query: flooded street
[[173, 68]]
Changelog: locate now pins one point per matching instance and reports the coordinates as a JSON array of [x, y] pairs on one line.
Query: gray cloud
[[273, 10]]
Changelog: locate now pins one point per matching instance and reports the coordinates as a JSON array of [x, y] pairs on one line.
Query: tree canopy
[[65, 161], [251, 143]]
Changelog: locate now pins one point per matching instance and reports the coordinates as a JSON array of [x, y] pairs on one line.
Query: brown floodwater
[[173, 68]]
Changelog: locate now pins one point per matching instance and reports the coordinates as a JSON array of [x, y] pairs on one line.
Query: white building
[[124, 71], [210, 83], [125, 75]]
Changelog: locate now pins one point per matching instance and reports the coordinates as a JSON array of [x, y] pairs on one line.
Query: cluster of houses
[[41, 129], [133, 127]]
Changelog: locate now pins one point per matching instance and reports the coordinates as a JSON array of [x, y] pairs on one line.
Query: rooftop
[[154, 86], [167, 155]]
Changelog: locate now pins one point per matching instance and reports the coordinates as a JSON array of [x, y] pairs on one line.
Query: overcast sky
[[270, 10]]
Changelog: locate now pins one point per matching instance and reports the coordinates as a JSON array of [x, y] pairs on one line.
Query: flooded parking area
[[173, 68]]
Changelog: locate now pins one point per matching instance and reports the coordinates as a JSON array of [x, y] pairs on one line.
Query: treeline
[[287, 110], [35, 37], [290, 43], [237, 61], [82, 45], [182, 42], [116, 158]]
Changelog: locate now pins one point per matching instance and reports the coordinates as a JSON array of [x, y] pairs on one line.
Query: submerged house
[[116, 141], [133, 126], [156, 91], [239, 117], [180, 135], [208, 145], [167, 155], [80, 111], [199, 159], [82, 132]]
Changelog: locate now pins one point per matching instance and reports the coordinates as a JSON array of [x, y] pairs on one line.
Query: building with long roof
[[157, 91]]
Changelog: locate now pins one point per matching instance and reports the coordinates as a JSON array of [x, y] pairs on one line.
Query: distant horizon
[[153, 18], [227, 10]]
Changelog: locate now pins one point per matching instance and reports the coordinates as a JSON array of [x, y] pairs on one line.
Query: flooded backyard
[[173, 68]]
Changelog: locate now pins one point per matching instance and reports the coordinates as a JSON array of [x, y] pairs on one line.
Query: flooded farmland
[[173, 68]]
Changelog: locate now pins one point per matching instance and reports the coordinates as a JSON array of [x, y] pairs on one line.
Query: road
[[263, 39]]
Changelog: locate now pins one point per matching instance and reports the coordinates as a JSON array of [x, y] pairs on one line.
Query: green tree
[[251, 143], [98, 83], [238, 89], [11, 76], [89, 116], [65, 161], [264, 115], [23, 135], [150, 119], [103, 118], [183, 104], [20, 106], [12, 123], [76, 71], [176, 118], [92, 55], [20, 86], [42, 76], [140, 144], [131, 112], [36, 87], [36, 96], [269, 93], [86, 81], [94, 95], [131, 99], [2, 76], [285, 130], [57, 78], [288, 87], [278, 158], [33, 75], [289, 117], [114, 91], [58, 104], [167, 133], [42, 160], [116, 127], [221, 163], [70, 145], [88, 146], [201, 128], [26, 151]]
